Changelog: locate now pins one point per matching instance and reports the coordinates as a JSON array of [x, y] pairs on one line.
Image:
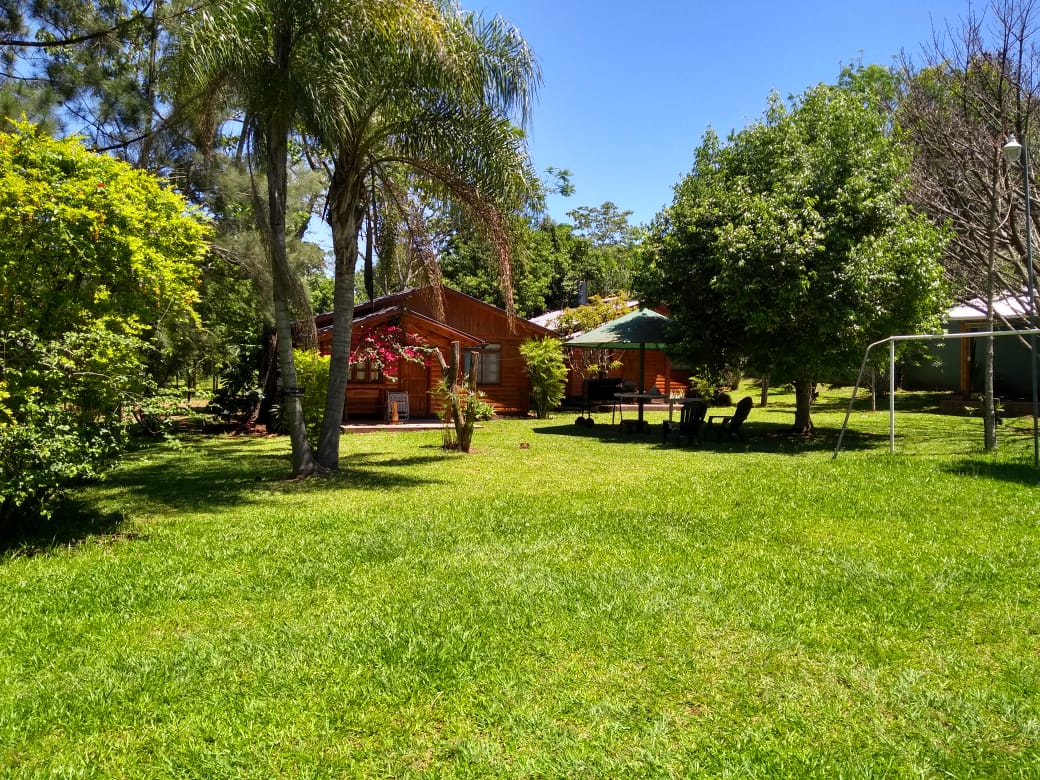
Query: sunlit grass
[[564, 601]]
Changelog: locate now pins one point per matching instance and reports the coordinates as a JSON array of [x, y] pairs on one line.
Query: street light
[[1012, 151]]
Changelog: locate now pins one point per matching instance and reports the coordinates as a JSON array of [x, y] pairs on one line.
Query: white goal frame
[[891, 341]]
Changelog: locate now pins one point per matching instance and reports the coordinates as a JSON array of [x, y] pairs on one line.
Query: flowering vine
[[385, 346]]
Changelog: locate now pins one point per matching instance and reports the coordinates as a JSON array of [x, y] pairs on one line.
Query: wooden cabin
[[479, 327]]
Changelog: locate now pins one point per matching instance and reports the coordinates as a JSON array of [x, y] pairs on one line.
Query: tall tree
[[424, 86], [99, 69], [96, 260], [84, 237], [611, 263], [791, 245], [379, 84], [974, 87], [260, 56]]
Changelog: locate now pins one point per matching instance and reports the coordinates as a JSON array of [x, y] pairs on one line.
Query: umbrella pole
[[642, 379]]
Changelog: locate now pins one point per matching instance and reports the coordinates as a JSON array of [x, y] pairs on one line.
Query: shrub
[[66, 410], [239, 396], [548, 373], [44, 454], [312, 377]]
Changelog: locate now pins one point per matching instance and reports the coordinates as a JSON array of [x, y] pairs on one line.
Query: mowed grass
[[562, 602]]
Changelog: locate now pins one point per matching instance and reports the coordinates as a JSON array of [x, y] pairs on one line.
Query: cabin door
[[416, 383]]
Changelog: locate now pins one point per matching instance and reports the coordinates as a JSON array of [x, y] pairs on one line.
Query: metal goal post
[[892, 341]]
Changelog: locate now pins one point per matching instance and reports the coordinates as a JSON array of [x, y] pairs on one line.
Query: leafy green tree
[[792, 245], [84, 236], [550, 262], [98, 264], [538, 261], [611, 263]]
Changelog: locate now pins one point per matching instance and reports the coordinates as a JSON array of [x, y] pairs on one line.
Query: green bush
[[46, 453], [548, 373], [312, 377], [67, 408]]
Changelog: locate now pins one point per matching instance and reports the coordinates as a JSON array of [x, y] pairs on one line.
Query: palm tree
[[254, 55], [382, 84], [437, 97]]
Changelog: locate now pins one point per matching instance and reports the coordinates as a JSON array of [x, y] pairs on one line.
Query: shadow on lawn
[[1021, 473], [759, 437], [215, 473], [361, 471], [73, 522], [218, 475]]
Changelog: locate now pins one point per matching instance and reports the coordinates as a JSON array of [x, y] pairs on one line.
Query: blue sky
[[630, 87]]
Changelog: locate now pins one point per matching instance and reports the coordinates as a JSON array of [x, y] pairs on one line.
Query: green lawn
[[562, 602]]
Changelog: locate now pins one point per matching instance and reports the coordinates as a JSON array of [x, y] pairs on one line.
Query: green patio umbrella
[[642, 329]]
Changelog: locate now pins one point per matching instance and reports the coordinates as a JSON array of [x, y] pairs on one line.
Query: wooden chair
[[401, 399], [691, 420], [731, 424]]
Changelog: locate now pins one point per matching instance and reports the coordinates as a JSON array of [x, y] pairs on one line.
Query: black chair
[[691, 420], [731, 424]]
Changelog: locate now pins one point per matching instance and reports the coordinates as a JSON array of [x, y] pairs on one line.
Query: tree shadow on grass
[[1020, 473], [758, 437], [361, 471], [222, 473], [73, 522]]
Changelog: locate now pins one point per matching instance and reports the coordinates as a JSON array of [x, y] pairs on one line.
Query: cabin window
[[363, 372], [489, 368]]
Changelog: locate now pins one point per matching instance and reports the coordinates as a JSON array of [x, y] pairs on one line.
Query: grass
[[563, 602]]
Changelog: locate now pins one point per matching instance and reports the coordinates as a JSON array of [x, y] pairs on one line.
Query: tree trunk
[[989, 402], [803, 393], [345, 214], [276, 140], [989, 406], [370, 241], [460, 391], [268, 375], [763, 399]]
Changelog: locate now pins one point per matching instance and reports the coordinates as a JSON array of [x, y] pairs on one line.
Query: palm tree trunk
[[345, 215], [277, 144]]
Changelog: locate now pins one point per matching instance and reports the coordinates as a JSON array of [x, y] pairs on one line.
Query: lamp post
[[1012, 151]]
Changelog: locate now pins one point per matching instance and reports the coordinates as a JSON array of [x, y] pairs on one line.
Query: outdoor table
[[640, 399]]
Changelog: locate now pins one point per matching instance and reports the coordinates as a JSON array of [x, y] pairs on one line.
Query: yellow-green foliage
[[547, 371], [83, 236], [594, 313], [312, 376], [97, 259]]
